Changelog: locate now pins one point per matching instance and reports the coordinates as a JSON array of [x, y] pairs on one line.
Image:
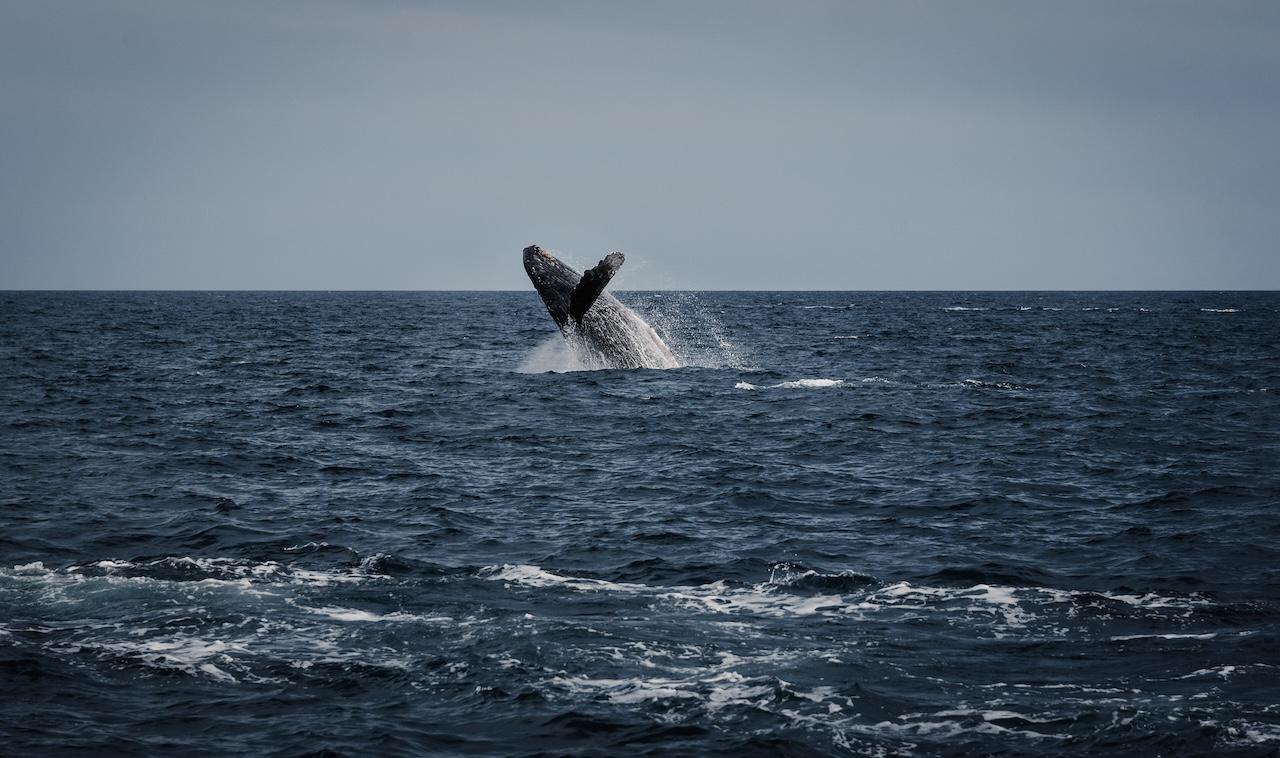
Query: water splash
[[696, 336], [691, 329], [553, 355]]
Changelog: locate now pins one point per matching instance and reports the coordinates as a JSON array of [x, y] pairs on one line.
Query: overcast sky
[[331, 144]]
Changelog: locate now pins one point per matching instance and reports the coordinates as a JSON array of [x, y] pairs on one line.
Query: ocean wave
[[347, 509], [232, 570], [225, 620], [1002, 610], [797, 384]]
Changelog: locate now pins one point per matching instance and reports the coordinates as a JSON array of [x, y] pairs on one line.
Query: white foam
[[347, 614], [814, 383], [717, 597], [1154, 601], [715, 686], [1003, 610], [216, 672], [797, 384], [533, 576], [988, 385], [1243, 732], [954, 723], [108, 565], [233, 652], [256, 601], [1127, 637], [629, 691], [989, 594], [190, 654], [226, 570], [355, 614], [993, 715], [1220, 671], [757, 601]]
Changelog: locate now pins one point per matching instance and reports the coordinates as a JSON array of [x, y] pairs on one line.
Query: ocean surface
[[400, 524]]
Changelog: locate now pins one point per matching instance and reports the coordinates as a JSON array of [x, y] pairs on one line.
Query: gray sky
[[321, 144]]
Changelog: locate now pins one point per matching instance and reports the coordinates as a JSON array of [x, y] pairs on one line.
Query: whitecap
[[812, 383], [1128, 637], [354, 614], [1243, 732], [533, 576], [796, 384]]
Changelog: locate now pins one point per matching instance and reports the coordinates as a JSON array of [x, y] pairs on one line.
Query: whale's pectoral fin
[[592, 284]]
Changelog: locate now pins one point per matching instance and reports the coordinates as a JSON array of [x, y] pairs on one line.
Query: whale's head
[[553, 280]]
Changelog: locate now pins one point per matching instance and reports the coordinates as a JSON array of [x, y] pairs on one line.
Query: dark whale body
[[604, 332]]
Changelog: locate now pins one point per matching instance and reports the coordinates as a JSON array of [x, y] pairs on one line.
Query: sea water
[[402, 524]]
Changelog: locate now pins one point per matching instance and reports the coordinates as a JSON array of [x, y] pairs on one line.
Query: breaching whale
[[604, 332]]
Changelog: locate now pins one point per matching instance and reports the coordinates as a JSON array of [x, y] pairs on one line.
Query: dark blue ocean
[[881, 524]]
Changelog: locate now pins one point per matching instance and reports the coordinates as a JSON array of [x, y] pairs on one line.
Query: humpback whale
[[603, 331]]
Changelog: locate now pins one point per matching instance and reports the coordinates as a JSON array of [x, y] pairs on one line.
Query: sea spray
[[695, 334], [553, 355]]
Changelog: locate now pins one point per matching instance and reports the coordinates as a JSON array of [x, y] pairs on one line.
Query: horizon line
[[532, 291]]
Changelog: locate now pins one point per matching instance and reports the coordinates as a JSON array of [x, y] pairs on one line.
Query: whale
[[603, 332]]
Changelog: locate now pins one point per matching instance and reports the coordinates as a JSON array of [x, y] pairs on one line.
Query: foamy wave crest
[[951, 724], [1000, 610], [797, 384], [714, 688], [225, 620], [228, 570], [532, 576]]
